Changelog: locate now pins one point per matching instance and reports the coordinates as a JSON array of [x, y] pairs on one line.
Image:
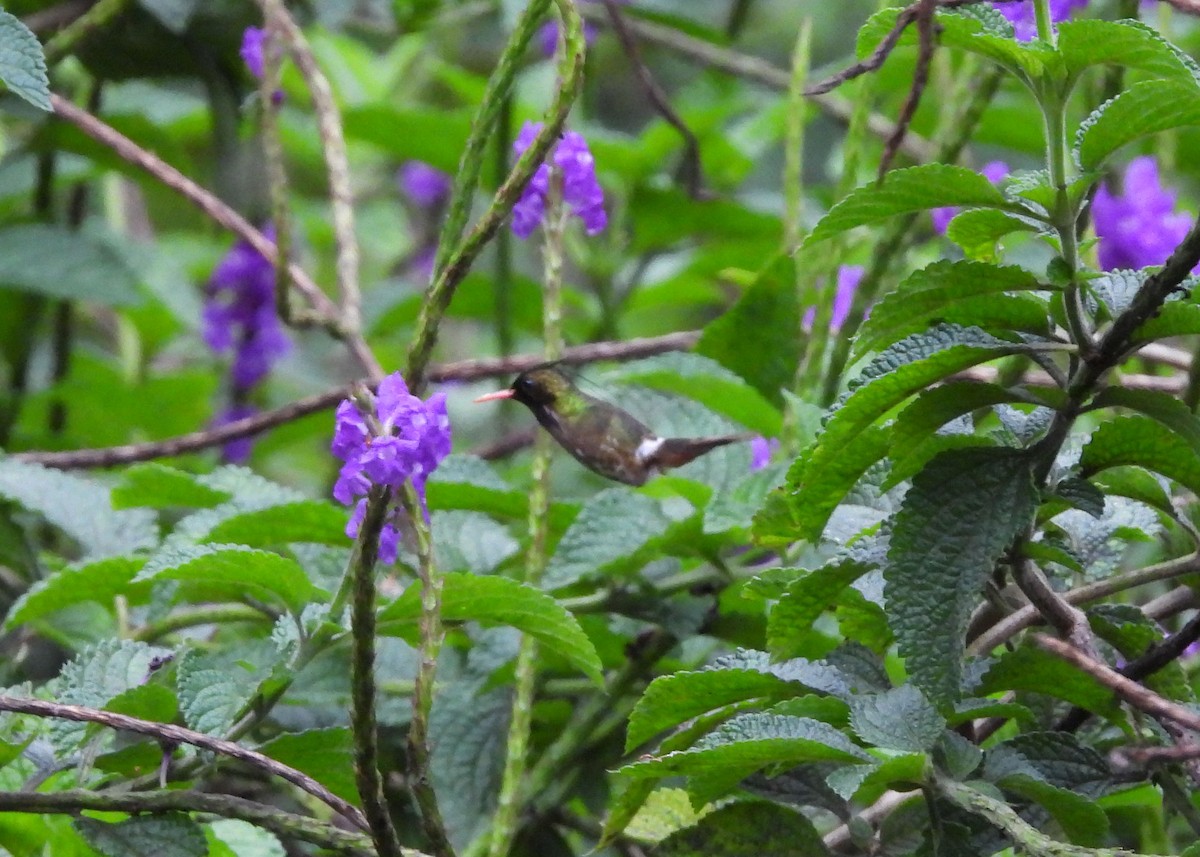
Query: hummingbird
[[602, 437]]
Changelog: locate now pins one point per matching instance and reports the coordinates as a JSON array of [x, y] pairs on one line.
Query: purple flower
[[236, 451], [426, 186], [548, 36], [404, 439], [848, 278], [252, 50], [761, 450], [993, 171], [1140, 227], [575, 167], [1024, 20], [239, 314]]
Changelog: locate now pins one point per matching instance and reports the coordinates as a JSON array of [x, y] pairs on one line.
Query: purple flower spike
[[993, 171], [572, 161], [761, 450], [239, 315], [236, 451], [252, 50], [1140, 227], [403, 439], [848, 278], [426, 186], [1024, 20]]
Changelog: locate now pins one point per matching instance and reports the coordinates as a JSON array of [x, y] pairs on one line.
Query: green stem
[[1045, 27], [502, 276], [277, 179], [793, 151], [508, 806], [453, 264], [362, 677], [69, 37], [432, 634]]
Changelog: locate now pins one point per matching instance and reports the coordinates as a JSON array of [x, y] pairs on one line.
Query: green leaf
[[469, 541], [165, 835], [1144, 108], [468, 733], [961, 514], [733, 507], [978, 230], [469, 483], [767, 314], [936, 407], [1136, 484], [79, 507], [746, 744], [326, 755], [1143, 442], [803, 602], [663, 812], [175, 15], [234, 572], [898, 719], [243, 839], [157, 486], [1081, 819], [97, 581], [1130, 44], [672, 699], [953, 292], [745, 829], [708, 382], [501, 601], [314, 521], [97, 675], [435, 136], [152, 702], [1174, 318], [61, 263], [1131, 632], [1058, 758], [22, 63], [1163, 407], [904, 192], [215, 687], [610, 529], [819, 480], [1032, 670]]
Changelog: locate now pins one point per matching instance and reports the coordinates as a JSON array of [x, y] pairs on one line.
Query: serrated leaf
[[708, 382], [502, 601], [898, 719], [215, 687], [1143, 442], [1081, 819], [675, 698], [745, 829], [843, 452], [1030, 669], [468, 732], [611, 527], [57, 262], [906, 191], [470, 483], [866, 783], [746, 744], [768, 314], [1144, 108], [1131, 44], [97, 581], [22, 63], [953, 291], [79, 507], [234, 571], [1058, 758], [313, 521], [326, 755], [152, 702], [961, 514], [165, 835], [1115, 290], [978, 230], [803, 602], [1174, 318], [1136, 484], [934, 408], [1131, 632], [663, 812], [157, 486], [1163, 407], [734, 506], [97, 675]]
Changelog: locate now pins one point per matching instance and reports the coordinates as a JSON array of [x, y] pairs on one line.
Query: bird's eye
[[525, 384]]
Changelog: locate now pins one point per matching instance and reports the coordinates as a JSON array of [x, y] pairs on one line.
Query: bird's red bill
[[499, 394]]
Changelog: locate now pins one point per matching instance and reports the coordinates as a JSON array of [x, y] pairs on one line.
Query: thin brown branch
[[337, 163], [690, 169], [179, 735], [874, 61], [1068, 619], [324, 312], [926, 46], [462, 370], [1141, 698], [284, 824]]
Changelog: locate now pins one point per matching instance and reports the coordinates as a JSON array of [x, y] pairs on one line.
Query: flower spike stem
[[453, 265], [362, 677], [506, 822], [432, 633]]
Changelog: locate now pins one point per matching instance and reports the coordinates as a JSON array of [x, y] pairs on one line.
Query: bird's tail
[[678, 451]]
